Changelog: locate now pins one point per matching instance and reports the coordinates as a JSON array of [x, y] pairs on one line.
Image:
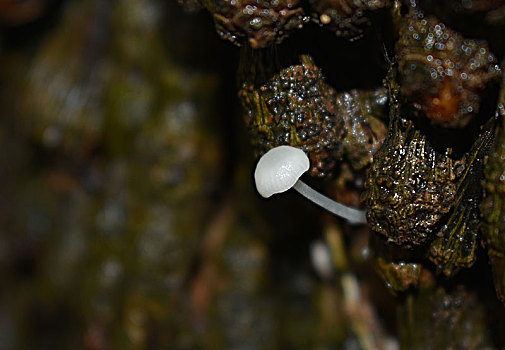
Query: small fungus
[[280, 169]]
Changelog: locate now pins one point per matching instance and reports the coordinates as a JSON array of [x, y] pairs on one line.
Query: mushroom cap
[[279, 169]]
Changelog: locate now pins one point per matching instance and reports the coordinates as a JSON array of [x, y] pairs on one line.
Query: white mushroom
[[280, 169]]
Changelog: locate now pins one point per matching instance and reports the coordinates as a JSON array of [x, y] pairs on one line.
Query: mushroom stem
[[353, 216]]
